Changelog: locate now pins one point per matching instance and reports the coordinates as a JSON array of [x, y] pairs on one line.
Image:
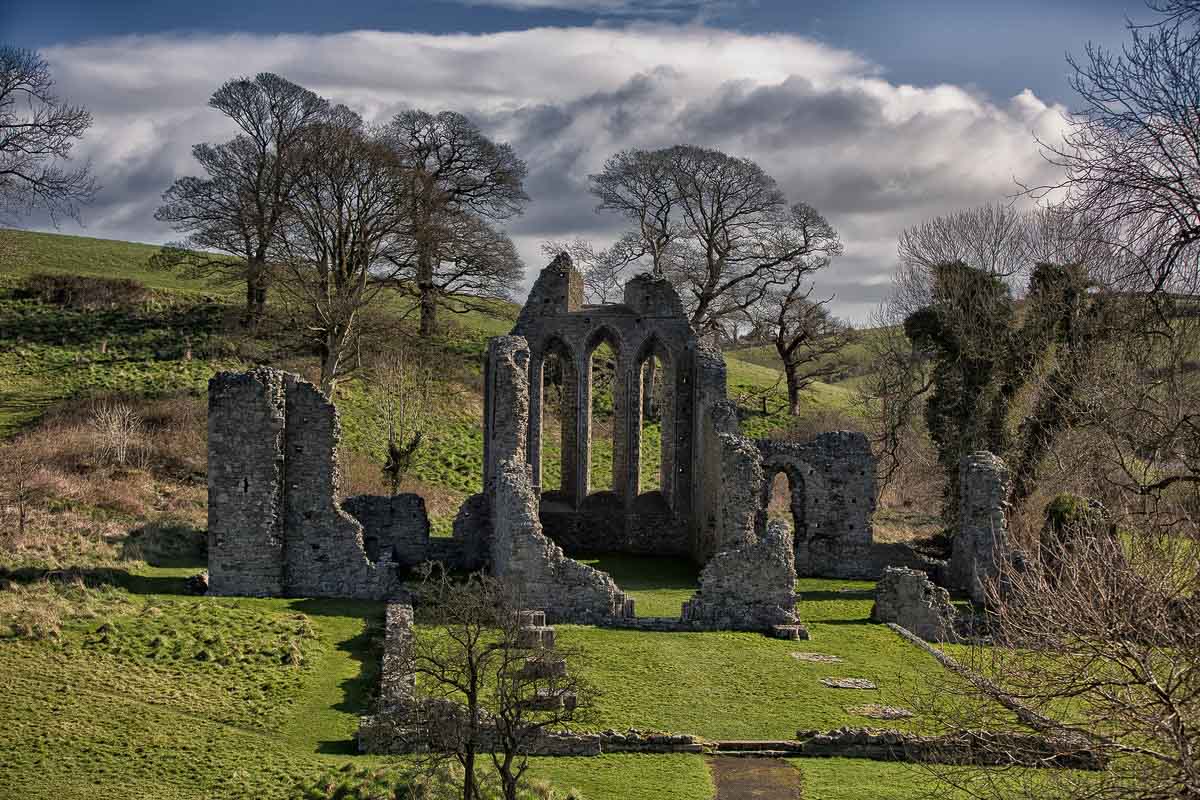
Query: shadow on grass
[[646, 573], [100, 576], [827, 594], [364, 648]]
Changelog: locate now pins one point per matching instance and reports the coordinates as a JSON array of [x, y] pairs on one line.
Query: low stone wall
[[604, 525], [908, 598], [976, 747], [385, 734]]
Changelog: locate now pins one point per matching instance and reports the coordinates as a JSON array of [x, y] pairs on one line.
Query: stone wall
[[832, 480], [565, 589], [750, 587], [975, 747], [397, 525], [909, 599], [246, 419], [274, 523], [981, 540]]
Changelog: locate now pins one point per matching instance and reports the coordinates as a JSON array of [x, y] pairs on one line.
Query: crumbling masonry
[[275, 526]]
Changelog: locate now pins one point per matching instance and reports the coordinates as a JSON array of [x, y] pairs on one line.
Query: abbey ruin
[[276, 526]]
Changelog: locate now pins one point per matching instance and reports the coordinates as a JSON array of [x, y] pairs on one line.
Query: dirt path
[[740, 778]]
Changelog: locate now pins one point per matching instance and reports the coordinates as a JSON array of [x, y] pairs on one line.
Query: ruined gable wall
[[565, 589], [274, 524], [325, 554], [750, 587], [837, 473], [246, 419]]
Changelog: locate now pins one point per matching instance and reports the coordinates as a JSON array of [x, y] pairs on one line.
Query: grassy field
[[142, 691]]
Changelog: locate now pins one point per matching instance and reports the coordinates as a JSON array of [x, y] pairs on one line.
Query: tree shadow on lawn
[[133, 582], [364, 648]]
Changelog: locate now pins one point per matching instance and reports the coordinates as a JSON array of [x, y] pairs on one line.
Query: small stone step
[[531, 619], [544, 667], [794, 633], [536, 636], [733, 746]]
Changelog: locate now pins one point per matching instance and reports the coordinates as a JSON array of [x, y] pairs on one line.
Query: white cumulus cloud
[[872, 155]]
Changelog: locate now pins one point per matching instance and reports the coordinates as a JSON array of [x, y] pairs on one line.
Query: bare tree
[[492, 691], [640, 185], [233, 215], [1131, 157], [717, 226], [806, 336], [458, 179], [24, 482], [37, 132], [119, 428], [343, 227], [1095, 644]]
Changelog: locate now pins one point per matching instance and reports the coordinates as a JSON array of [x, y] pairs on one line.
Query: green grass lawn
[[148, 693]]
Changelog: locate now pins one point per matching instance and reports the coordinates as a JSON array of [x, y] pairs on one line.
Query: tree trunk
[[507, 779], [428, 293], [257, 281], [329, 365], [469, 774], [793, 389]]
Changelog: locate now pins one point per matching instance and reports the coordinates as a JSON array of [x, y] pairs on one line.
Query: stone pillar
[[981, 541], [671, 458], [506, 407], [635, 394], [569, 432], [246, 421]]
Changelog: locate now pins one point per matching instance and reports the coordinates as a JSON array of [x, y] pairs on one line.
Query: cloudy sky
[[879, 113]]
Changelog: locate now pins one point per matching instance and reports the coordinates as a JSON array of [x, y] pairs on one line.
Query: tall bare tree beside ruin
[[37, 133], [459, 181], [717, 226], [807, 338], [343, 227], [232, 216]]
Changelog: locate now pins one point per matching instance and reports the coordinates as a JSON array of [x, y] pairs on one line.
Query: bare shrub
[[119, 431], [24, 484]]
